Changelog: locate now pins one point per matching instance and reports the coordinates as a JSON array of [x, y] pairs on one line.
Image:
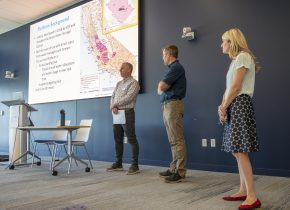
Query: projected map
[[119, 14], [77, 54]]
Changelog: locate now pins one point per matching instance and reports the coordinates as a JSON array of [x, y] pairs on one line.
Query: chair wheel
[[11, 167], [54, 173], [38, 163], [88, 169]]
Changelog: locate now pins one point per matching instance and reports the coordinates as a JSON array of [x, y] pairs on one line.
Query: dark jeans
[[129, 129]]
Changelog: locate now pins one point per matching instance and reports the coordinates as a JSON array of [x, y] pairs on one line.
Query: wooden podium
[[18, 143]]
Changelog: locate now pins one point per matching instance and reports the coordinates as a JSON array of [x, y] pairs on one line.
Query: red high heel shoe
[[236, 198], [256, 204]]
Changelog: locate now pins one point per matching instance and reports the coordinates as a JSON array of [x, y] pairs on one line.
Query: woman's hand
[[222, 114]]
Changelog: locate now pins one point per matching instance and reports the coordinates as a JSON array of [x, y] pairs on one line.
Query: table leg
[[28, 152], [70, 156]]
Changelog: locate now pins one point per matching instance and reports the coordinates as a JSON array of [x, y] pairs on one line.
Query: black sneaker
[[174, 178], [115, 167], [165, 173], [134, 169]]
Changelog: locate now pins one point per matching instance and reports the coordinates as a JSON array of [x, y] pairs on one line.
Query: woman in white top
[[236, 112]]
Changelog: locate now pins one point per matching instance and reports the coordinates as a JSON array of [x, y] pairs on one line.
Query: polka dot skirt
[[240, 134]]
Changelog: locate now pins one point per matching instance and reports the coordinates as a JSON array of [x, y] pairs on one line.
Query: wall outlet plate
[[212, 143], [203, 142]]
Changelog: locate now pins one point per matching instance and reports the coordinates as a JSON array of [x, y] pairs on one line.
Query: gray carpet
[[36, 188]]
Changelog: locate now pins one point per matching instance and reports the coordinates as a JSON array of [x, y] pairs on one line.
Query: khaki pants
[[172, 117]]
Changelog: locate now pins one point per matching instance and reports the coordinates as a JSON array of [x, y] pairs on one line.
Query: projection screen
[[77, 54]]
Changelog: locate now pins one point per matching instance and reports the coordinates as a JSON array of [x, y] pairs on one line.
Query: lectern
[[18, 144]]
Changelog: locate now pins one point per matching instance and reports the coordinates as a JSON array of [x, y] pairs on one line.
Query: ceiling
[[15, 13]]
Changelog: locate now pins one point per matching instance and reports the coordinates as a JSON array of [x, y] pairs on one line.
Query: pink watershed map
[[120, 9]]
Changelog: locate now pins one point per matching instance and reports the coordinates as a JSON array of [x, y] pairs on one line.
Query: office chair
[[56, 135], [82, 136]]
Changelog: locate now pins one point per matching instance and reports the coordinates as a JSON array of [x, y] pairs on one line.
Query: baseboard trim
[[221, 168]]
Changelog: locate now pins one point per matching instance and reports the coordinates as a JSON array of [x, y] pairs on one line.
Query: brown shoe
[[134, 169], [115, 167], [174, 178], [165, 173]]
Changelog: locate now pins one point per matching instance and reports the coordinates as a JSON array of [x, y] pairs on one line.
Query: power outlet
[[212, 143], [203, 142]]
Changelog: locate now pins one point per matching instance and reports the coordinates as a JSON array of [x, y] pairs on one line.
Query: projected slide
[[77, 54]]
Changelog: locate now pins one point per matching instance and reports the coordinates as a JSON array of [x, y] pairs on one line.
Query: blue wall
[[266, 27]]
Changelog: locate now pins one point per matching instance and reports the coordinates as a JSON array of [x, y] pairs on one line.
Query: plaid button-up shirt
[[125, 93]]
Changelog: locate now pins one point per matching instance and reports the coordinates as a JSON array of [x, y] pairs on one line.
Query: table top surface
[[67, 127]]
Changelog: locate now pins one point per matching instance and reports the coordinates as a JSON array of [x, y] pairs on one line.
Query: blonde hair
[[238, 44]]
